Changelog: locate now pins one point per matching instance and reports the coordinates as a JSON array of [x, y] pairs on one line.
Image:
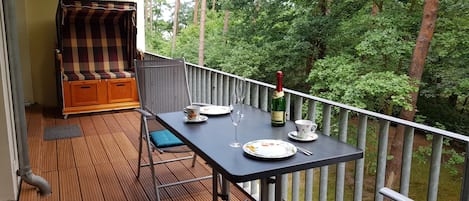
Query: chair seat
[[164, 138]]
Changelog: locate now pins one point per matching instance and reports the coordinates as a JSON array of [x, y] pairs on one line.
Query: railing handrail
[[419, 126]]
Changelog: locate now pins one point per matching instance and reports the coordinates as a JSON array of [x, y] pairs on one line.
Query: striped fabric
[[98, 40]]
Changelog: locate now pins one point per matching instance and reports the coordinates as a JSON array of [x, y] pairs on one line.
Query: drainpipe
[[9, 8]]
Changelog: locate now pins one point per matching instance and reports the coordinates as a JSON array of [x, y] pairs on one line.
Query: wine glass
[[240, 88], [237, 99], [236, 116]]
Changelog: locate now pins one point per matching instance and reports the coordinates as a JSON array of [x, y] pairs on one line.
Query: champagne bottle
[[278, 103]]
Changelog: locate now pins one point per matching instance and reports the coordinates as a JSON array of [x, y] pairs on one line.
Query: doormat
[[63, 131]]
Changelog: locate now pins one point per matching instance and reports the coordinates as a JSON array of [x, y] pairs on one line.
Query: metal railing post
[[382, 157], [340, 175], [360, 163], [406, 160], [465, 179], [326, 130], [437, 147]]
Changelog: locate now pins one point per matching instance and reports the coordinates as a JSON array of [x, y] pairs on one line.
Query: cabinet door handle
[[85, 87], [120, 84]]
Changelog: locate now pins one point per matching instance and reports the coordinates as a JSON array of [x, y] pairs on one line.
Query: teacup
[[192, 112], [304, 128]]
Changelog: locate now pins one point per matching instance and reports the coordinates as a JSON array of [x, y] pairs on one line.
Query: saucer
[[201, 118], [310, 137]]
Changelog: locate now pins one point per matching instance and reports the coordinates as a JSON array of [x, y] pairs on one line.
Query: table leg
[[265, 189], [278, 188], [214, 185], [225, 189]]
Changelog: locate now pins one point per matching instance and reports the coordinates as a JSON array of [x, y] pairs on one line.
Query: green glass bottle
[[278, 116]]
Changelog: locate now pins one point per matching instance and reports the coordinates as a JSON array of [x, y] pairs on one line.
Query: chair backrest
[[162, 85]]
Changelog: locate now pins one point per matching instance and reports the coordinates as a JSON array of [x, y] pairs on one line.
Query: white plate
[[269, 149], [215, 110], [310, 137], [201, 118]]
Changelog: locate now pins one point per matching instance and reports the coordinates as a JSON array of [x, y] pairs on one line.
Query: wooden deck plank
[[80, 169], [133, 138], [74, 120], [100, 125], [145, 180], [87, 126], [28, 192], [128, 180], [182, 173], [69, 185], [134, 118], [124, 123], [111, 123], [49, 120], [65, 154], [49, 156], [129, 151], [90, 188], [60, 121], [53, 178], [109, 183], [35, 146], [35, 125], [96, 149], [81, 152], [165, 174], [112, 149]]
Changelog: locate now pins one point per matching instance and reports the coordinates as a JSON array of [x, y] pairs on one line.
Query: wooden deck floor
[[102, 164]]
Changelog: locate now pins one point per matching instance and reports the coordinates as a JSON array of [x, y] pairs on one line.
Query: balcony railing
[[213, 87]]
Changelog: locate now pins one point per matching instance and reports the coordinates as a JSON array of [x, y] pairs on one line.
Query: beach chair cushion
[[95, 44]]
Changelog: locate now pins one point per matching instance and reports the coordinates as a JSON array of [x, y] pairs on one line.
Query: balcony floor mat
[[62, 131]]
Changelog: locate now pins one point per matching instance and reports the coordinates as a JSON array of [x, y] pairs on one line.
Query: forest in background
[[356, 52]]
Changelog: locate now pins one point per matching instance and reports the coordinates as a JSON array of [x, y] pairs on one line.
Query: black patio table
[[210, 140]]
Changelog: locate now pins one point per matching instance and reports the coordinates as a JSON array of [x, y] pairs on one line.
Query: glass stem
[[236, 134]]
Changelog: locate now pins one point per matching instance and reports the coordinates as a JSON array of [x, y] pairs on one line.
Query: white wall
[[24, 51], [9, 164]]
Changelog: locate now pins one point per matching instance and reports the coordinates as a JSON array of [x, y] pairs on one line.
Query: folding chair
[[162, 87]]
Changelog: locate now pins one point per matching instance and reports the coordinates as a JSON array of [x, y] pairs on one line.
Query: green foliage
[[343, 53], [342, 79], [439, 111], [454, 159]]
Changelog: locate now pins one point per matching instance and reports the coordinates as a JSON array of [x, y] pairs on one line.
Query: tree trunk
[[202, 32], [323, 6], [453, 100], [148, 14], [375, 9], [214, 4], [430, 11], [225, 24], [196, 12], [175, 26], [464, 104]]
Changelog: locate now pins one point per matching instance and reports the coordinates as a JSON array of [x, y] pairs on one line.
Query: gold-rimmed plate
[[269, 149]]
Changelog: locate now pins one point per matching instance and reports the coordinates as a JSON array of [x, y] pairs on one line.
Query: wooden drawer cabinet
[[87, 92], [99, 95], [121, 90]]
